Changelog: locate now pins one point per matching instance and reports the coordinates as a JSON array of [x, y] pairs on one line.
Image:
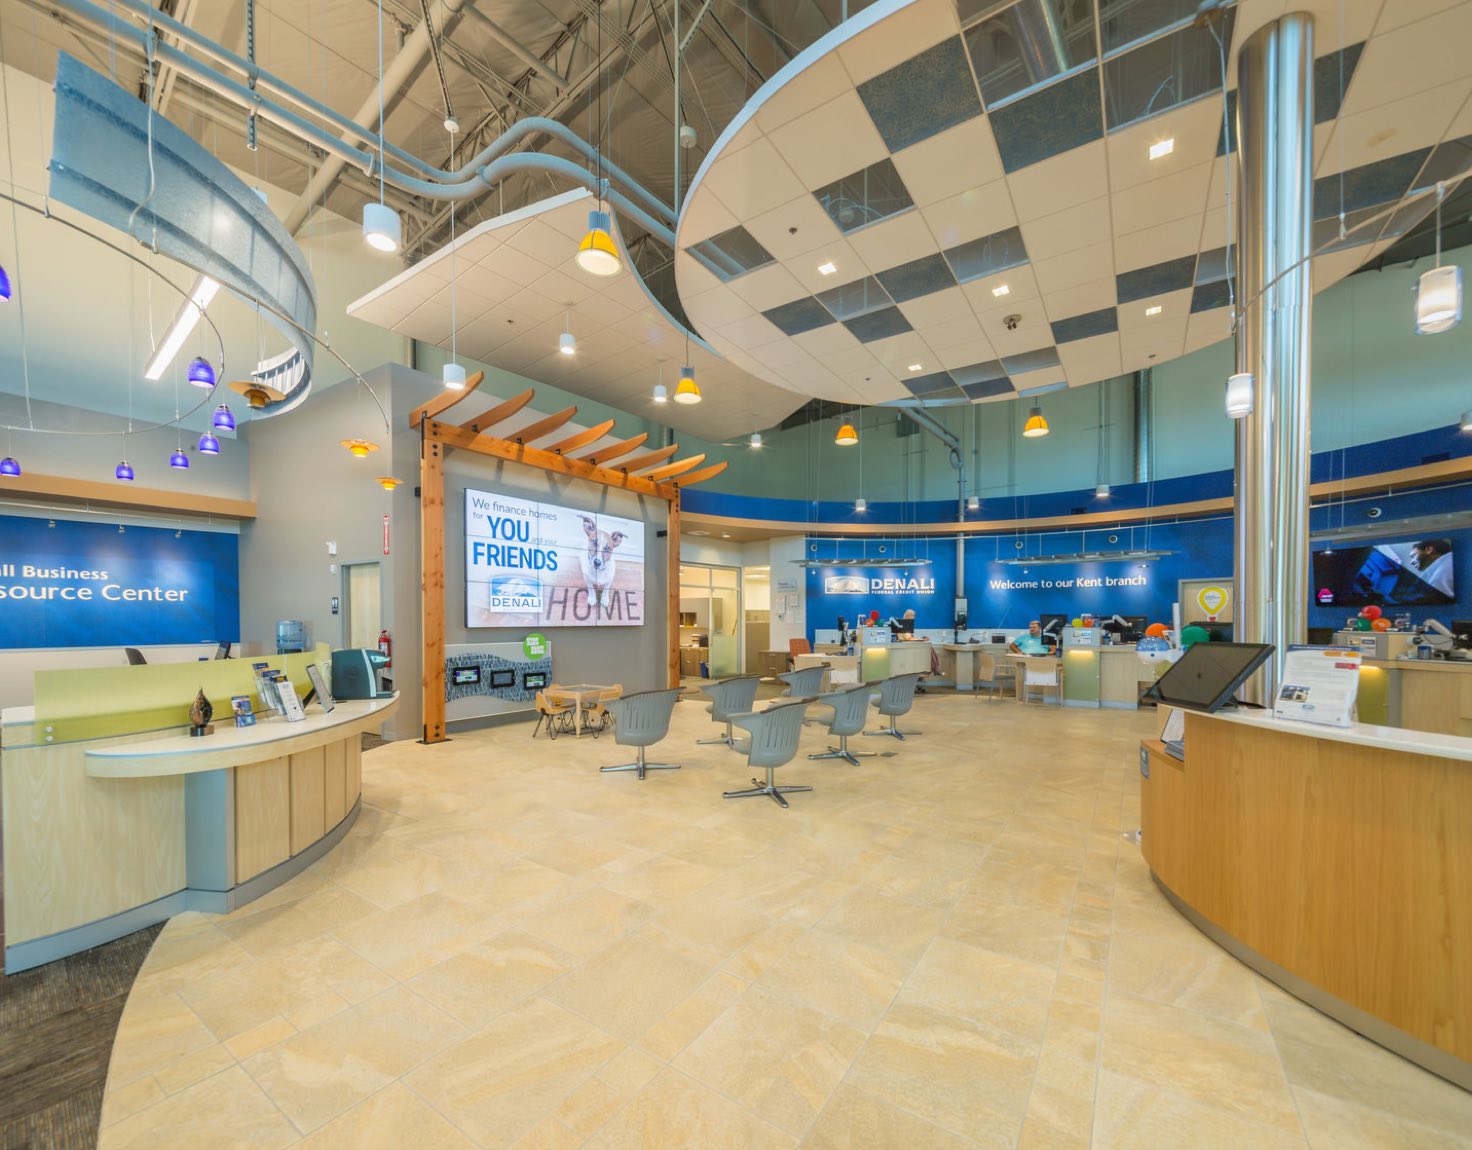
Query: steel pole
[[1275, 116]]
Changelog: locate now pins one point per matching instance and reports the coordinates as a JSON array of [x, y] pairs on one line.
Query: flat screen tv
[[1418, 572], [1207, 675]]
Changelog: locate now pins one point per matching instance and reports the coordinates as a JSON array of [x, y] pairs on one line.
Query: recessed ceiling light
[[1163, 148], [1001, 291], [827, 269], [1153, 309], [916, 366]]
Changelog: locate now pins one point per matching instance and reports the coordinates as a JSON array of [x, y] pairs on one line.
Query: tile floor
[[951, 945]]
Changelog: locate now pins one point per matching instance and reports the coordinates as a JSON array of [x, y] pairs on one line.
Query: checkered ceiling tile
[[1040, 212]]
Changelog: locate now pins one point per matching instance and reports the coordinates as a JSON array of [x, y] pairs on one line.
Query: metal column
[[1275, 116]]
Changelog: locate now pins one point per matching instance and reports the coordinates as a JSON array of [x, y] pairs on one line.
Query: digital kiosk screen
[[1205, 677], [465, 676], [503, 678]]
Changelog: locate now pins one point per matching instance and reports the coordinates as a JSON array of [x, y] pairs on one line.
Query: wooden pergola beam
[[648, 459], [444, 400], [679, 467], [505, 410], [614, 450], [543, 427], [582, 438]]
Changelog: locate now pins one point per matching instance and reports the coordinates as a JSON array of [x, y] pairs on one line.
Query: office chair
[[774, 736], [730, 697], [641, 720], [896, 697], [808, 681], [850, 709]]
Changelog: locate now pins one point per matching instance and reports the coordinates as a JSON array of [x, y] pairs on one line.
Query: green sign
[[534, 646]]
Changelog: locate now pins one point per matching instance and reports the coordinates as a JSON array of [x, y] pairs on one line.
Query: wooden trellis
[[645, 474]]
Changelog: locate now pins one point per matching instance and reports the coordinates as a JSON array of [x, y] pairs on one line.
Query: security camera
[[1012, 322]]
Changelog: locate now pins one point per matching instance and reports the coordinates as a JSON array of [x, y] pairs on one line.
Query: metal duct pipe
[[253, 102], [515, 46], [1144, 388]]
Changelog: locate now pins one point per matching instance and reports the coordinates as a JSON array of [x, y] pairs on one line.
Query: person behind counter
[[1033, 640]]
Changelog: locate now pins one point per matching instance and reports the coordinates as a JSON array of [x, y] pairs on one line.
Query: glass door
[[363, 619], [710, 621]]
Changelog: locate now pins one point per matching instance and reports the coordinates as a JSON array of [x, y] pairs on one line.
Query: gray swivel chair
[[804, 683], [730, 697], [850, 709], [774, 736], [896, 697], [641, 720]]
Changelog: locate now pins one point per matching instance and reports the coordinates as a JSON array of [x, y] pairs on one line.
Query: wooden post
[[673, 539], [432, 560]]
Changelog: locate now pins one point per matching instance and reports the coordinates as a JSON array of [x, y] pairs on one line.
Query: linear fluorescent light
[[1138, 555], [1153, 309], [915, 366], [827, 269], [860, 562], [1000, 290], [1163, 148], [199, 299]]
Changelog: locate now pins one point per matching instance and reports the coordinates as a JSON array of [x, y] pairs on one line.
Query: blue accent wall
[[91, 585]]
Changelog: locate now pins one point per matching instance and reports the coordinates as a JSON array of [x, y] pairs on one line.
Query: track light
[[1239, 395], [1036, 425], [382, 227], [454, 376]]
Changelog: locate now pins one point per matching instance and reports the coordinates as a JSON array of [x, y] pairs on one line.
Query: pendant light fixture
[[756, 439], [9, 467], [382, 227], [388, 482], [973, 503], [124, 471], [661, 393], [1036, 425], [1239, 395], [598, 254], [200, 373], [1466, 421], [4, 286], [1439, 291], [358, 448], [208, 444], [224, 420], [846, 436], [453, 373], [687, 391], [567, 343], [179, 461], [1101, 489], [861, 505]]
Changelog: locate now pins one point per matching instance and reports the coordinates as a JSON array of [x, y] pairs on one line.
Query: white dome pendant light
[[382, 227], [1439, 291]]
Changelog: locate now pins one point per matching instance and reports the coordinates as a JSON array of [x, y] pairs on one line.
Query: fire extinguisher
[[386, 646]]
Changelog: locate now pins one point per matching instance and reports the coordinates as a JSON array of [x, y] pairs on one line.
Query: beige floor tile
[[915, 880], [137, 1095], [899, 928], [685, 1023], [1006, 928], [659, 880], [1191, 976], [703, 928], [549, 1134], [845, 980], [391, 1119], [417, 935], [499, 1083], [674, 1110], [331, 1067], [948, 1071], [778, 1059], [194, 1068], [1232, 1068], [630, 1070], [628, 987], [1334, 1123], [491, 977], [589, 1107], [225, 1112], [588, 921], [259, 1038], [321, 911], [853, 1120], [154, 1033], [1130, 1113], [1008, 999]]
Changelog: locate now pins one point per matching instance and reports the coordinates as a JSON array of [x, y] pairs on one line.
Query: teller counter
[[885, 660], [1417, 695], [1336, 862], [116, 818], [1107, 677]]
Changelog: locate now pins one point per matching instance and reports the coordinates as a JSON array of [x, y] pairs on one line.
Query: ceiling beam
[[516, 47]]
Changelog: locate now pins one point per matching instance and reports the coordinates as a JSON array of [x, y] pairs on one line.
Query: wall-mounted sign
[[540, 565], [878, 585], [1213, 600], [534, 646], [91, 585]]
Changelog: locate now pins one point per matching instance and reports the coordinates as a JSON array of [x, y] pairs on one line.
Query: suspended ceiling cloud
[[517, 289], [917, 208]]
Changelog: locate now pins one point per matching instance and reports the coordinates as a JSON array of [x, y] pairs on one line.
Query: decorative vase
[[200, 714]]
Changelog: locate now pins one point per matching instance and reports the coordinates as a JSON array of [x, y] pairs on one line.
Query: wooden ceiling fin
[[492, 416], [614, 450], [679, 467], [444, 400], [547, 426], [582, 438], [648, 459], [703, 473]]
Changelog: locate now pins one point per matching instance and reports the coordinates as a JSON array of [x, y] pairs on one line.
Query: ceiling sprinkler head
[[1012, 322]]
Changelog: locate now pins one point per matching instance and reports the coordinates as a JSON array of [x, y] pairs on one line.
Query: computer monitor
[[223, 650], [1462, 634], [902, 627], [1205, 677], [1053, 625]]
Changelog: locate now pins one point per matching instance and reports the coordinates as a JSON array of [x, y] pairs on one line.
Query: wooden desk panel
[[1349, 867], [262, 816], [308, 798]]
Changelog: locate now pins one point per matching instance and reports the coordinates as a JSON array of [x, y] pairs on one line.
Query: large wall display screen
[[93, 585], [539, 565], [1394, 574]]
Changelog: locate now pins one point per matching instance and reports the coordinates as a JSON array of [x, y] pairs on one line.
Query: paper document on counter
[[1319, 685]]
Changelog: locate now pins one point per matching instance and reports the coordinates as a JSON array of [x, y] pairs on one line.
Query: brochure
[[1319, 685], [291, 706], [319, 687], [244, 716]]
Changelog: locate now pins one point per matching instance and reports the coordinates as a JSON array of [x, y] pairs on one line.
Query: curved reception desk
[[114, 821], [1336, 862]]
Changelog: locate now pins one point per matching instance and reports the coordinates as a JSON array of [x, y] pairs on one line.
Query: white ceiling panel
[[952, 162], [830, 142]]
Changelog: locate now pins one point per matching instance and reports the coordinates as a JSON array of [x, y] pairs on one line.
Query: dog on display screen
[[597, 560]]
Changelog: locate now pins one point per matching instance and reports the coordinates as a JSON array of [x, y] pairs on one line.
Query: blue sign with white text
[[91, 585]]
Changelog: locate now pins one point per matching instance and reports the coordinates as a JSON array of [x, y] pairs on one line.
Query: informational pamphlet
[[1319, 685], [240, 706], [291, 706]]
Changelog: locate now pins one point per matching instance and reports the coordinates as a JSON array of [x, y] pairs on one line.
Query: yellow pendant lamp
[[1036, 425], [388, 482], [687, 390], [846, 436], [598, 254], [358, 448]]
